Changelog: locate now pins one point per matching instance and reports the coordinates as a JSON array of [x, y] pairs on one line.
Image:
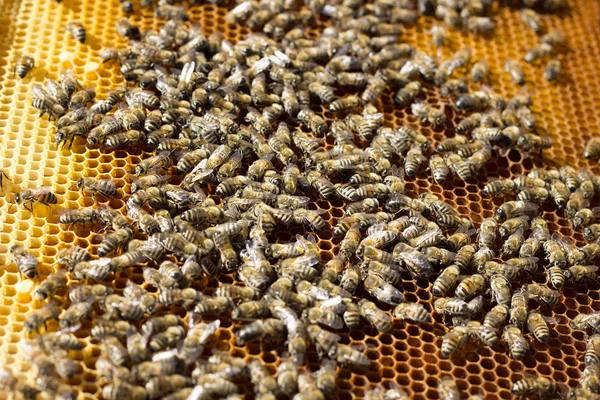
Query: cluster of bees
[[236, 124]]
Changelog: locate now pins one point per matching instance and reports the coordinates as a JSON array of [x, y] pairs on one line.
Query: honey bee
[[75, 313], [41, 195], [166, 339], [413, 312], [464, 256], [584, 321], [470, 286], [314, 122], [512, 209], [496, 317], [382, 290], [198, 335], [454, 339], [578, 273], [114, 241], [77, 30], [552, 70], [39, 317], [258, 329], [515, 71], [531, 19], [408, 93], [94, 186], [345, 104], [119, 390], [310, 218], [592, 352], [459, 166], [50, 286], [349, 357], [480, 71], [161, 160], [483, 25], [540, 51], [414, 160], [252, 309], [541, 293], [544, 387], [429, 114], [125, 29], [555, 253], [414, 261], [513, 243], [81, 293], [517, 344], [518, 307], [451, 306], [25, 261], [23, 65]]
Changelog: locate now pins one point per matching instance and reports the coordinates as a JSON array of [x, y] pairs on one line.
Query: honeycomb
[[410, 355]]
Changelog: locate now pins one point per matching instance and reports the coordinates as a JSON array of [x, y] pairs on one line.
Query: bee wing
[[551, 320], [331, 303], [39, 92], [398, 171], [101, 262], [187, 72], [376, 229], [41, 191], [164, 355], [596, 212]]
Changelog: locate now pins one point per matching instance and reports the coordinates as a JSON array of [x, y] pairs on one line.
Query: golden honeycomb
[[410, 356]]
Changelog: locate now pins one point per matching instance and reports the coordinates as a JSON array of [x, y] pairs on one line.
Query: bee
[[429, 114], [591, 252], [480, 71], [413, 312], [464, 256], [413, 161], [592, 352], [590, 378], [591, 232], [531, 19], [552, 70], [438, 35], [578, 273], [512, 209], [470, 286], [119, 390], [559, 193], [82, 97], [114, 241], [408, 93], [39, 317], [81, 293], [25, 261], [451, 306], [262, 379], [75, 313], [161, 160], [41, 195], [375, 87], [513, 243], [314, 122], [166, 339], [544, 387], [515, 71], [415, 262], [483, 25], [345, 104], [500, 288], [499, 186], [197, 337], [346, 356], [496, 317], [382, 290], [97, 186], [584, 321], [517, 344], [459, 166], [76, 29], [367, 205], [23, 65], [555, 253], [540, 51], [125, 29], [454, 339], [541, 293], [50, 286], [518, 307], [258, 329]]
